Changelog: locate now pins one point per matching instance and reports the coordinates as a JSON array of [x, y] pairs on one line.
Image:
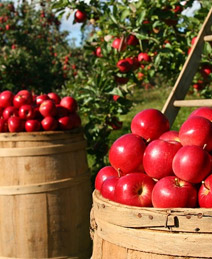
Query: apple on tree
[[80, 16]]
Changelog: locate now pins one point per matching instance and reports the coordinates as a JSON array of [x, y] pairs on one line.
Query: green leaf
[[132, 7], [112, 17], [125, 14], [141, 17]]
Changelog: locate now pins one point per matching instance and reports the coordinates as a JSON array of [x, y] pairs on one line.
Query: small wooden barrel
[[45, 195], [147, 233]]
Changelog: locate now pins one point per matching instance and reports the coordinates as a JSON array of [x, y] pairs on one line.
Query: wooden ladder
[[176, 98]]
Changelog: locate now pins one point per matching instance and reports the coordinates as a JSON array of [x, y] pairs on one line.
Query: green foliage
[[32, 47]]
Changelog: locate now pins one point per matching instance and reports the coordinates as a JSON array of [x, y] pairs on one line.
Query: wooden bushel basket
[[45, 195], [129, 232]]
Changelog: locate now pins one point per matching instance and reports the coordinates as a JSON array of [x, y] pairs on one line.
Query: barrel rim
[[97, 197], [39, 135]]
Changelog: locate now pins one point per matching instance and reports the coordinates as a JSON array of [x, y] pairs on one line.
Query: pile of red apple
[[25, 111], [159, 167]]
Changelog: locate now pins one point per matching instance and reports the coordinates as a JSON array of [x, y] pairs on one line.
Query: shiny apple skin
[[205, 193], [171, 135], [158, 157], [192, 164], [103, 174], [205, 112], [135, 190], [108, 188], [126, 153], [172, 192], [149, 124], [197, 131]]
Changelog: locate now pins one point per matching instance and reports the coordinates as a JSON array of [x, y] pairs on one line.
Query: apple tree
[[32, 47]]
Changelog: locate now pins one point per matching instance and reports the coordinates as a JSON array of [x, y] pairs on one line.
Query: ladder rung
[[193, 103], [208, 38]]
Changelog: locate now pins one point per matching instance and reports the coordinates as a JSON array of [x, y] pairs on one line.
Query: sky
[[74, 29]]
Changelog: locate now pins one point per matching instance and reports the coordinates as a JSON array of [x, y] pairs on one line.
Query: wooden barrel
[[147, 233], [45, 195]]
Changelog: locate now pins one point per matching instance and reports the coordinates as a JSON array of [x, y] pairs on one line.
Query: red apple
[[48, 108], [21, 99], [206, 70], [205, 112], [134, 190], [117, 42], [126, 153], [158, 156], [54, 97], [26, 92], [49, 123], [103, 174], [80, 16], [3, 125], [124, 65], [69, 103], [192, 164], [40, 98], [98, 52], [172, 192], [205, 193], [9, 111], [171, 135], [6, 98], [68, 122], [32, 125], [197, 131], [108, 188], [143, 57], [149, 124], [61, 111], [15, 124], [193, 40], [132, 40], [121, 80], [26, 112]]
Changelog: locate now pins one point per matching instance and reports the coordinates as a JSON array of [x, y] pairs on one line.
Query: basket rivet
[[197, 229], [188, 216], [103, 206], [150, 217], [139, 215], [199, 215]]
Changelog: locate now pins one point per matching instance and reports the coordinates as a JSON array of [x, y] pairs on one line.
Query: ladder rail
[[188, 71]]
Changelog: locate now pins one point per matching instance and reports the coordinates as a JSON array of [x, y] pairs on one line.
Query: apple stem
[[119, 172], [205, 145], [148, 140], [203, 182], [177, 181]]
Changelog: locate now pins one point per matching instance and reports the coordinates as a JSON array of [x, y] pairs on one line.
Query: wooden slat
[[195, 220], [158, 242], [187, 73], [193, 103], [208, 38]]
